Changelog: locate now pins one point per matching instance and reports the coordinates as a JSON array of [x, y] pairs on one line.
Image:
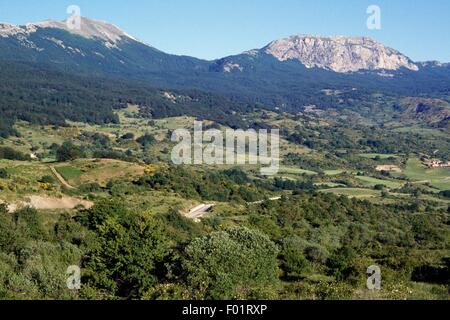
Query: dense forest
[[36, 94]]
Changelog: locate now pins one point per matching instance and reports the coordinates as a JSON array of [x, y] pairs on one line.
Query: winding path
[[262, 201], [61, 178]]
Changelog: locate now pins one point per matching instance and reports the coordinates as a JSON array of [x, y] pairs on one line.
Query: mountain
[[97, 47], [339, 54], [91, 29], [286, 74]]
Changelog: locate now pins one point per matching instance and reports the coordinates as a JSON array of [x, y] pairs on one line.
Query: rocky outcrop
[[339, 54]]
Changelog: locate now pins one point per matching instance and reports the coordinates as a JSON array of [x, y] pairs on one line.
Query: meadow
[[419, 173]]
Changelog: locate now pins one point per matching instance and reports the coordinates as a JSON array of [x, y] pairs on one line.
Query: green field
[[354, 192], [295, 171], [372, 182], [416, 171], [378, 155], [329, 185], [333, 172], [69, 172]]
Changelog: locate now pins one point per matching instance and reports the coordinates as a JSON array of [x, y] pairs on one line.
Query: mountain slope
[[286, 74], [49, 97], [97, 47]]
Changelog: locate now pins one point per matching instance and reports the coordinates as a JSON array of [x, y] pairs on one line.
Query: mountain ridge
[[92, 28], [289, 79]]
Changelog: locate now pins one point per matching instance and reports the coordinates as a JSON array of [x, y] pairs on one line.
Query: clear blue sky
[[216, 28]]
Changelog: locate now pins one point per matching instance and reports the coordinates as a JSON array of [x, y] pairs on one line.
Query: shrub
[[125, 258], [237, 263], [47, 179], [445, 193], [128, 136], [293, 260], [146, 140], [3, 173], [11, 154], [29, 223], [68, 152]]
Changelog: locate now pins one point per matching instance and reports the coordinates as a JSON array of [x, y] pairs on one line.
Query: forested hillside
[[306, 246], [36, 94]]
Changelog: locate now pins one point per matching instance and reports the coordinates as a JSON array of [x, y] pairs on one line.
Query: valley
[[88, 177]]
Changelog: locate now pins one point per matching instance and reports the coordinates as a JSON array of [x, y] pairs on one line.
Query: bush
[[29, 223], [126, 256], [7, 235], [47, 179], [237, 263], [341, 263], [11, 154], [316, 253], [445, 193], [293, 260], [128, 136], [90, 187], [146, 140], [68, 152], [3, 173]]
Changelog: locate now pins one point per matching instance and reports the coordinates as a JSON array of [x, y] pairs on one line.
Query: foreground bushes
[[236, 263], [304, 246]]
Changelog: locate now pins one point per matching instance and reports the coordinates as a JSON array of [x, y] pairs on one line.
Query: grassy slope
[[416, 171], [371, 182]]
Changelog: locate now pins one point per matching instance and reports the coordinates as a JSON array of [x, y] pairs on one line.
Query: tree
[[294, 261], [68, 152], [237, 263], [128, 136], [11, 154], [95, 217], [341, 263], [30, 223], [445, 193], [7, 236], [146, 140], [123, 260]]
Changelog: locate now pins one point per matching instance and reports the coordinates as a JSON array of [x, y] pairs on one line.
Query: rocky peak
[[89, 28], [339, 53]]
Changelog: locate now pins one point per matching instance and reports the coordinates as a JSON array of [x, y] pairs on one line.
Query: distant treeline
[[11, 154]]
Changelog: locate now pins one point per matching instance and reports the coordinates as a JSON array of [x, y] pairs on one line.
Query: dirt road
[[48, 203], [199, 212], [262, 201], [61, 178]]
